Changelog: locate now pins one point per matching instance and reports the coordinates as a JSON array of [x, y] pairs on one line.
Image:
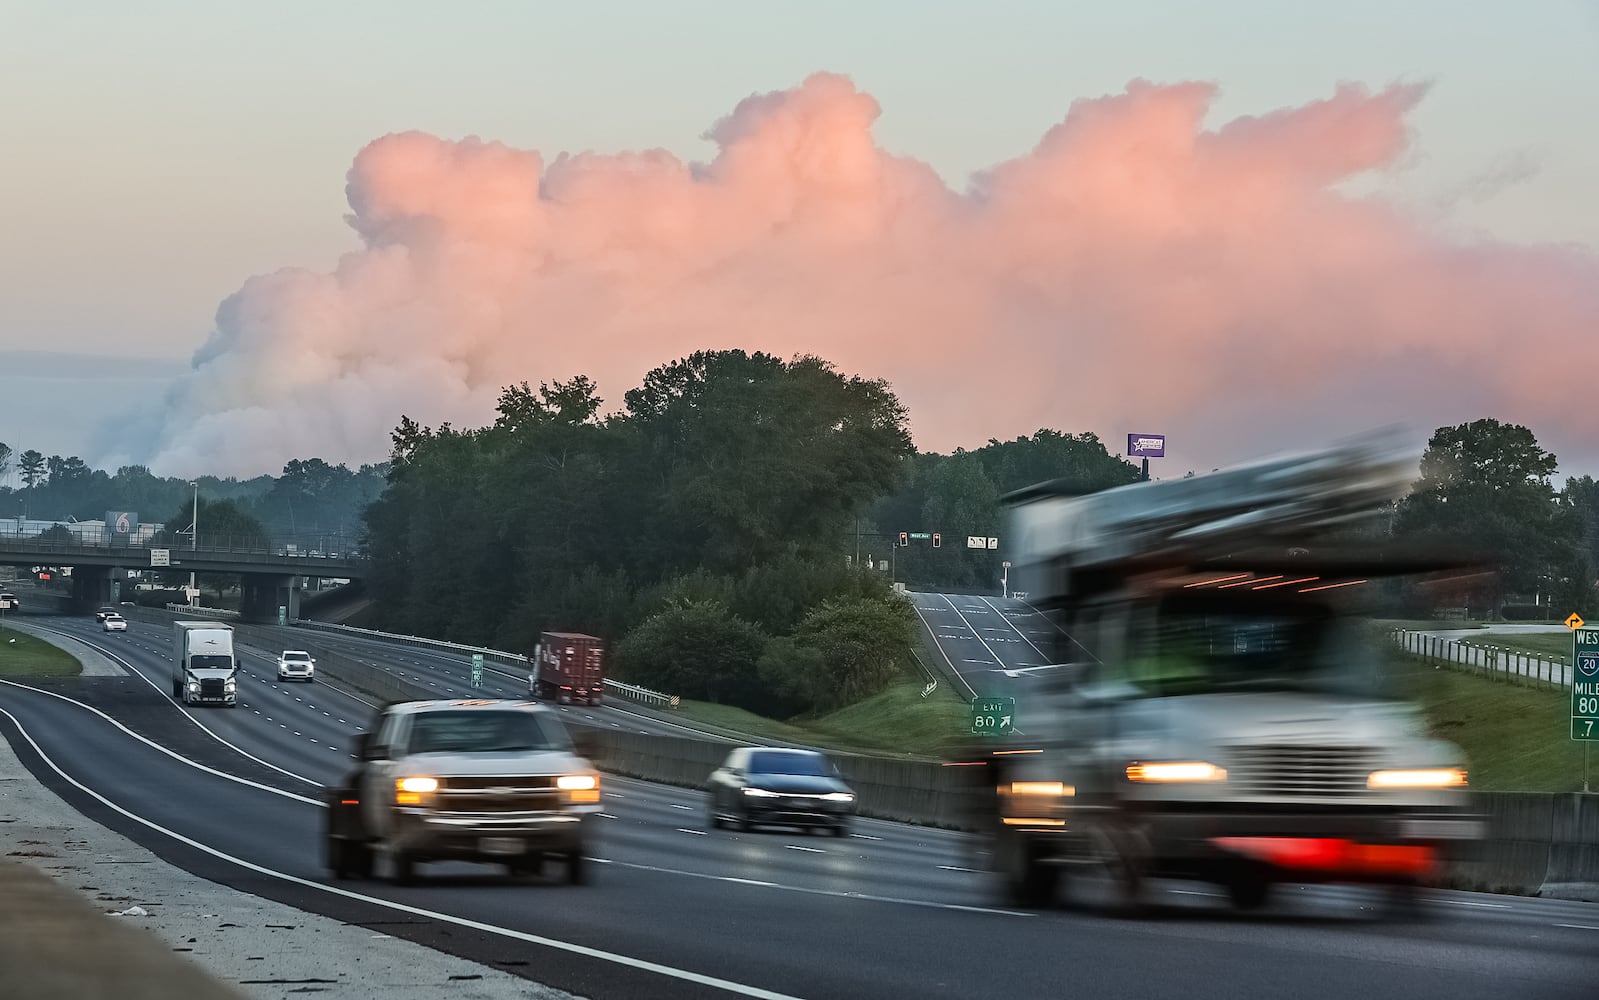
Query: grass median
[[1516, 738], [898, 722], [25, 655]]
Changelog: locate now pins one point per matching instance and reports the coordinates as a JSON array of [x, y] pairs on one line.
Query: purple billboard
[[1146, 446]]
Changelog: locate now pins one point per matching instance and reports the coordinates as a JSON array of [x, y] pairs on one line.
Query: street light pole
[[194, 544]]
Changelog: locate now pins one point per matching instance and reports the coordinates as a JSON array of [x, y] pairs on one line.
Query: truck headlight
[[759, 793], [229, 684], [1175, 771], [1049, 789], [839, 797], [409, 791], [1425, 777], [579, 787], [194, 685]]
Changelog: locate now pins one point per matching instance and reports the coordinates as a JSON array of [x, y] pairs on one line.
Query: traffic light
[[904, 539], [935, 540]]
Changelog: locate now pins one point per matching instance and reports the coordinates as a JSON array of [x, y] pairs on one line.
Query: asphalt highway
[[678, 910]]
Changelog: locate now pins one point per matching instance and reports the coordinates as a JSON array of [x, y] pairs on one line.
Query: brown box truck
[[568, 667]]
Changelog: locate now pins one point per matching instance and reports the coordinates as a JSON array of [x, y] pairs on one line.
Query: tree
[[697, 649], [31, 465], [1486, 485], [5, 460], [864, 645], [222, 523]]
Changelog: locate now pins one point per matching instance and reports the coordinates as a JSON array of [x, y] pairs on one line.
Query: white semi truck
[[204, 668]]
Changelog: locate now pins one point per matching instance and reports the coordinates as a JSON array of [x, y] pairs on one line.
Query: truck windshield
[[486, 732], [1198, 649], [210, 661]]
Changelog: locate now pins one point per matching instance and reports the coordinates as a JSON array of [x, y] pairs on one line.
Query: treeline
[[704, 522], [310, 499], [729, 528]]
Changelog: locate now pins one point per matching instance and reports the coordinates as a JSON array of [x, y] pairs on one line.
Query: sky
[[240, 233]]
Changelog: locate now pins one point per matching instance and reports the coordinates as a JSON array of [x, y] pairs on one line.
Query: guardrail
[[642, 695], [1493, 662], [193, 609]]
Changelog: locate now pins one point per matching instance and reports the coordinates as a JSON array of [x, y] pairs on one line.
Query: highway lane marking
[[152, 744], [938, 646], [807, 890], [1012, 626], [1485, 906], [864, 836], [605, 815], [577, 949], [697, 833], [808, 850], [674, 805], [956, 868], [203, 727], [1579, 927]]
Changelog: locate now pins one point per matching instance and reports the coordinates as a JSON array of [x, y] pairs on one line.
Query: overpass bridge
[[271, 573]]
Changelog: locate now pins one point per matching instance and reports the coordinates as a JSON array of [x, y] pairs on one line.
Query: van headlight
[[1421, 777]]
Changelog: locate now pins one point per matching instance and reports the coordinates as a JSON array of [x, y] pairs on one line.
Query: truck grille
[[495, 795], [1299, 771], [211, 687]]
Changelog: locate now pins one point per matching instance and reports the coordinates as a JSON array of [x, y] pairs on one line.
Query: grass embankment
[[1548, 645], [898, 721], [24, 655], [1516, 739]]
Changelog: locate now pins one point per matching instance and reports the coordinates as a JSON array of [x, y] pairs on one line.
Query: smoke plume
[[1136, 271]]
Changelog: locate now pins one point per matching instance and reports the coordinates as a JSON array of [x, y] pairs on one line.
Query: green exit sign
[[1585, 684], [994, 716]]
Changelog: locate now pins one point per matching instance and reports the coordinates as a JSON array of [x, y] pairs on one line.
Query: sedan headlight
[[1175, 771], [839, 797], [1425, 777], [759, 793]]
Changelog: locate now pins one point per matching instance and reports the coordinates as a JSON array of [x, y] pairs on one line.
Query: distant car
[[296, 664], [105, 610], [779, 787], [9, 602], [114, 622]]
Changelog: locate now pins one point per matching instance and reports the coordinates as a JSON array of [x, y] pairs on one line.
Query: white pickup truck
[[481, 780]]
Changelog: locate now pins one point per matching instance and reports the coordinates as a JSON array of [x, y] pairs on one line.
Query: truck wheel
[[532, 865], [1248, 890], [177, 689], [713, 821], [577, 867], [841, 830], [359, 858], [1026, 882], [402, 868]]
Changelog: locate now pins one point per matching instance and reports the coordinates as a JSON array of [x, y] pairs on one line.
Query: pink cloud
[[1136, 270]]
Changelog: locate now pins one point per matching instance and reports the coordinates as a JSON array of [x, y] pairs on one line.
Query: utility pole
[[194, 545]]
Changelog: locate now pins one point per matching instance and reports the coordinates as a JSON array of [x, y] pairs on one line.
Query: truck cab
[[1224, 716], [488, 780]]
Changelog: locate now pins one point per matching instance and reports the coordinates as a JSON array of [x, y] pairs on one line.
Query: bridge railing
[[66, 539]]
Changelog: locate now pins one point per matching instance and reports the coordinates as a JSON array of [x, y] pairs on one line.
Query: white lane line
[[152, 744], [697, 833], [676, 806], [936, 645], [806, 890], [863, 836], [1484, 906], [1012, 626], [577, 949], [605, 815], [202, 726], [1579, 927], [956, 868], [1196, 892], [807, 850]]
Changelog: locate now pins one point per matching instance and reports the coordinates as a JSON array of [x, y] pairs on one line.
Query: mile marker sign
[[1585, 684]]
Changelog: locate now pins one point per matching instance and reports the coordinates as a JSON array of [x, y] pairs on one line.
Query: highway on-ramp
[[681, 910]]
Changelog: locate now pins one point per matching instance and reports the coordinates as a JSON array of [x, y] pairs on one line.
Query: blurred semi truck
[[568, 667], [1217, 713]]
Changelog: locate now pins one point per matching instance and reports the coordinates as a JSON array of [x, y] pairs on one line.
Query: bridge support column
[[261, 596], [93, 586]]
